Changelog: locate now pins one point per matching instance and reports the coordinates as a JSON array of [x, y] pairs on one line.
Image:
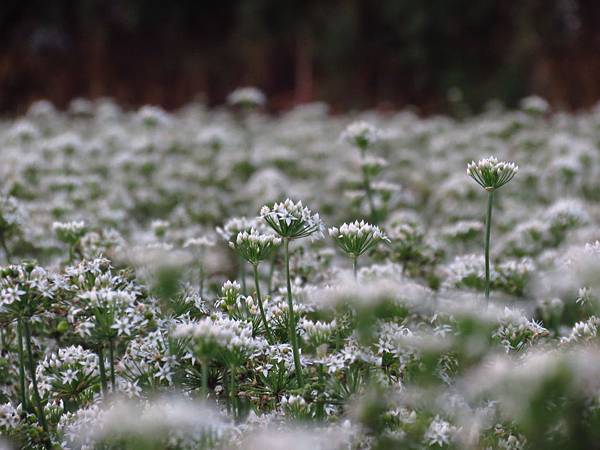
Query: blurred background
[[385, 54]]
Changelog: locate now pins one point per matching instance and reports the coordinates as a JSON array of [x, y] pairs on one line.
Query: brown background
[[351, 53]]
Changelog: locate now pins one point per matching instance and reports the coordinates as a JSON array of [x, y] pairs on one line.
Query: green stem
[[21, 363], [7, 253], [321, 404], [369, 192], [111, 349], [292, 319], [355, 267], [102, 371], [271, 272], [232, 393], [260, 305], [36, 392], [488, 230]]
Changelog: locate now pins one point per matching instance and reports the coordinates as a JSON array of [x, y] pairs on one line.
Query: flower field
[[226, 279]]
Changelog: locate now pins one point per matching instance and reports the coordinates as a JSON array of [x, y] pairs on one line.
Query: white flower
[[253, 246], [292, 220], [69, 376], [361, 134], [9, 417], [246, 96], [490, 173], [439, 433], [122, 326], [356, 238]]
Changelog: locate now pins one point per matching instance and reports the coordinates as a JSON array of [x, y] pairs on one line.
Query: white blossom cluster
[[361, 134], [490, 173], [68, 372], [136, 298], [292, 220], [253, 246], [225, 333], [246, 96], [356, 238]]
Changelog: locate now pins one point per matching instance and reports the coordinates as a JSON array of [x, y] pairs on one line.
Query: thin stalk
[[260, 305], [227, 386], [355, 267], [369, 192], [292, 318], [232, 393], [21, 363], [111, 349], [7, 253], [36, 392], [271, 272], [488, 231], [102, 371], [321, 404]]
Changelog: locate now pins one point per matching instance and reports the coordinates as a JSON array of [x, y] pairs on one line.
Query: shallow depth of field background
[[154, 293], [350, 53]]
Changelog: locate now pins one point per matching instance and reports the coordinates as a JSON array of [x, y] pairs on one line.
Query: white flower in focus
[[490, 173], [292, 220], [357, 237], [253, 246]]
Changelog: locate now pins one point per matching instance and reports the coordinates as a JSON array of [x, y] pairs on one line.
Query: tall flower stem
[[271, 272], [260, 305], [369, 192], [488, 230], [102, 370], [21, 362], [4, 245], [232, 393], [36, 392], [292, 317], [111, 349], [355, 266]]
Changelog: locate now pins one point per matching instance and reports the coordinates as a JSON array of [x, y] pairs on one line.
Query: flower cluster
[[490, 173], [356, 238], [361, 134], [142, 301], [246, 97], [292, 220], [69, 232], [253, 246], [70, 375]]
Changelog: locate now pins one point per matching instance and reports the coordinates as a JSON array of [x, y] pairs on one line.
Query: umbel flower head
[[357, 237], [490, 173], [250, 97], [361, 135], [236, 225], [292, 220], [69, 232], [254, 246]]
